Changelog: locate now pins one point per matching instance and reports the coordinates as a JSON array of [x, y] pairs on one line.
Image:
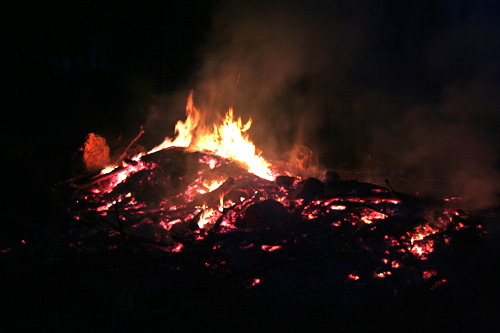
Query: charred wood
[[311, 189], [337, 187], [284, 180], [96, 179], [212, 199], [265, 213]]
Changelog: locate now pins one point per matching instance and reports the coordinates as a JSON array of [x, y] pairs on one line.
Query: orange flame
[[227, 140], [184, 130], [230, 141], [208, 216]]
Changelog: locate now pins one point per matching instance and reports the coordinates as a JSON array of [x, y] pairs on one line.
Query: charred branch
[[124, 154], [212, 199]]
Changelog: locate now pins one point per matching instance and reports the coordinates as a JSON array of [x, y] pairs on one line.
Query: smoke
[[400, 90], [274, 62]]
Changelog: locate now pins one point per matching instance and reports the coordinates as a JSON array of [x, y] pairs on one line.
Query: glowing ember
[[108, 169], [270, 248], [368, 218], [428, 274], [423, 249], [213, 184], [439, 283], [208, 216], [382, 274], [178, 248], [353, 277], [254, 283]]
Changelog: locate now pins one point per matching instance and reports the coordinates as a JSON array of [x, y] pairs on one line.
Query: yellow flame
[[208, 216], [221, 204], [212, 185], [184, 130], [227, 140]]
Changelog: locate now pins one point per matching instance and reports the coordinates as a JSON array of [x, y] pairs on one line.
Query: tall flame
[[227, 140], [184, 130]]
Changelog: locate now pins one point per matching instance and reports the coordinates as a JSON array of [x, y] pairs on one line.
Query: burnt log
[[172, 162], [85, 182], [212, 199], [311, 189], [340, 187], [284, 181], [265, 213]]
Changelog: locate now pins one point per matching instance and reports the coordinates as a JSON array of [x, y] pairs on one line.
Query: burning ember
[[209, 191]]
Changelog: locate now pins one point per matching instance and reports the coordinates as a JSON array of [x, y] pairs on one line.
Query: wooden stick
[[122, 156], [211, 199], [98, 178]]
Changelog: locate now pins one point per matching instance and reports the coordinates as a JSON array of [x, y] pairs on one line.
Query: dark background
[[68, 70], [397, 89]]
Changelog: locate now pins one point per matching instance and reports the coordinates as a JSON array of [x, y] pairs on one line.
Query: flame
[[209, 215], [184, 130], [212, 185], [108, 169], [227, 140]]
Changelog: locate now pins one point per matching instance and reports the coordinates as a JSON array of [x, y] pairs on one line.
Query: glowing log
[[212, 199]]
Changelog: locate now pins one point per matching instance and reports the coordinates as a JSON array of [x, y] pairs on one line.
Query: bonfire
[[210, 193]]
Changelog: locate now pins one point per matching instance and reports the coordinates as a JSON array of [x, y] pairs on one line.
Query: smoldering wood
[[85, 182], [212, 199]]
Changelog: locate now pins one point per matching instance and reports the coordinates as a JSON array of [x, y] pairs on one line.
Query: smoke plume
[[399, 90]]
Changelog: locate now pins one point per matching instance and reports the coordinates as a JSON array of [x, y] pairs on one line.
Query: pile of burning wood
[[348, 236], [267, 233]]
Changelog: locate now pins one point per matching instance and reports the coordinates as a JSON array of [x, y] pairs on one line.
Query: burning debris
[[209, 199]]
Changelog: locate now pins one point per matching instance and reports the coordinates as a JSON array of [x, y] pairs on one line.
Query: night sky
[[398, 88]]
